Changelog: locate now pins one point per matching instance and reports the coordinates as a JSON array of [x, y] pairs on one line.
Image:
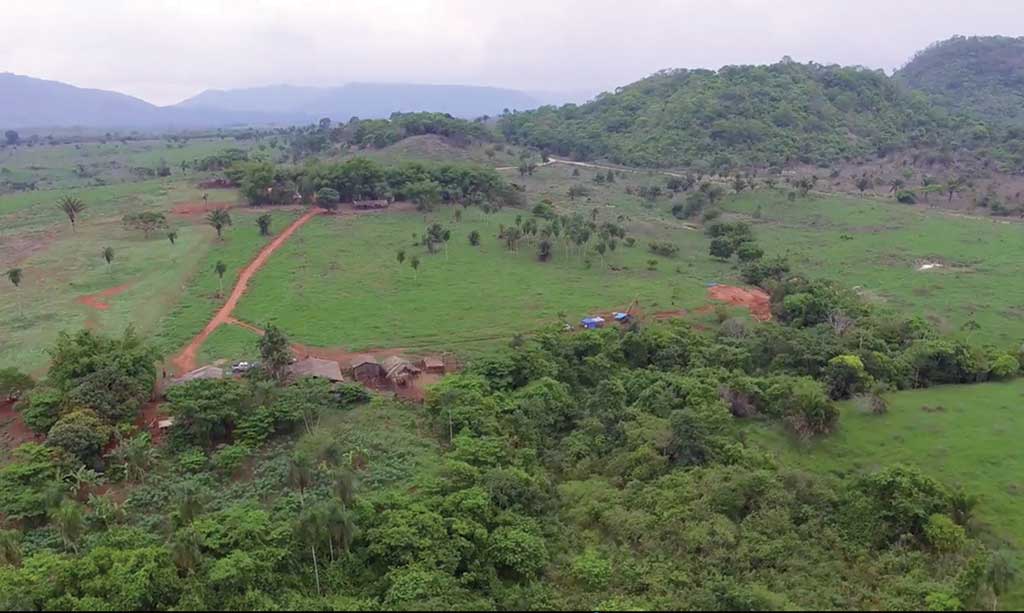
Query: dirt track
[[186, 359]]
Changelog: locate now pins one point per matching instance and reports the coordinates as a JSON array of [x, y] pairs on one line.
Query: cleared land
[[966, 435]]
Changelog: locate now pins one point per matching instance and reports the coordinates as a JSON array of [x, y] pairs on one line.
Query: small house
[[399, 370], [365, 367], [203, 372], [370, 204], [315, 367], [591, 323], [165, 424], [433, 365]]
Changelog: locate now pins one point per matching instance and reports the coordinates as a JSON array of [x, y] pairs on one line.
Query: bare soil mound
[[757, 301]]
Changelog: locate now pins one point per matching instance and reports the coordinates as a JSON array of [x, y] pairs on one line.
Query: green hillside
[[746, 115], [979, 75]]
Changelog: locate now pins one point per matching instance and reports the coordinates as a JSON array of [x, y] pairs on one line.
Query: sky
[[167, 50]]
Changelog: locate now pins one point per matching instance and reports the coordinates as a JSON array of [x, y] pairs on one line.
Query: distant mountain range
[[26, 102]]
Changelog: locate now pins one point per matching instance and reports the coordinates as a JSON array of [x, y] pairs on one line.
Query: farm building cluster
[[395, 371]]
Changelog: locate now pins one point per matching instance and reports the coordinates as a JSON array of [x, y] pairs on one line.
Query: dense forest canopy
[[979, 75], [751, 116]]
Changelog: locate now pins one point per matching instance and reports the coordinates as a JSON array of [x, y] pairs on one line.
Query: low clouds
[[164, 51]]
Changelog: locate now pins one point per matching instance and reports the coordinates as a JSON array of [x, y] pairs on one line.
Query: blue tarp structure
[[621, 316], [592, 322]]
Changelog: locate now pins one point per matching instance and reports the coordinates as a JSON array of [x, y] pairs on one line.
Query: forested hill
[[739, 115], [980, 75]]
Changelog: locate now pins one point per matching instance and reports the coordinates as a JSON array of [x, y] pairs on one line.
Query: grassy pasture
[[337, 282], [879, 246], [969, 435]]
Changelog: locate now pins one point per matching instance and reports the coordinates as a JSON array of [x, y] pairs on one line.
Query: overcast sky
[[166, 50]]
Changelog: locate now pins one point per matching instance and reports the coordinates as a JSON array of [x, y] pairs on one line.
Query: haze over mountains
[[28, 102]]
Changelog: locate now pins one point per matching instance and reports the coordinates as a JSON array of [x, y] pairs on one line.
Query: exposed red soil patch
[[96, 300], [186, 359], [13, 431], [757, 301], [189, 209]]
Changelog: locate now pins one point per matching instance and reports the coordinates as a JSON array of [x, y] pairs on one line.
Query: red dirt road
[[186, 359], [757, 301], [96, 300]]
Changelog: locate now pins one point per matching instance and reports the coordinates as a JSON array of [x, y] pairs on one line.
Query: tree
[[12, 137], [721, 247], [263, 221], [69, 522], [147, 221], [135, 456], [578, 191], [415, 263], [748, 252], [863, 183], [309, 529], [328, 198], [425, 194], [14, 275], [953, 186], [72, 207], [544, 250], [219, 219], [172, 236], [275, 352], [474, 238], [445, 237], [400, 256], [108, 256], [220, 268], [81, 434]]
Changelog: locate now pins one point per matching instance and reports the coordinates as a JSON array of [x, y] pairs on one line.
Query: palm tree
[[340, 527], [344, 486], [81, 479], [14, 276], [70, 523], [220, 268], [10, 548], [108, 255], [309, 529], [219, 218], [300, 474], [172, 236], [185, 550], [72, 207], [135, 455]]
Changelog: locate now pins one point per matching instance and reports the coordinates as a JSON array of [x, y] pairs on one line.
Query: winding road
[[185, 360]]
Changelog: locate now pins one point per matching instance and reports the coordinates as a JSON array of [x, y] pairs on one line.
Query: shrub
[[943, 534], [349, 394], [845, 376], [1004, 367], [81, 434], [591, 569], [14, 383], [192, 460], [759, 271], [906, 196], [230, 458], [664, 249], [41, 409], [749, 252], [721, 248]]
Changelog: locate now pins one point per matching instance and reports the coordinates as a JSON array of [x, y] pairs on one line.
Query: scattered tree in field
[[172, 236], [458, 216], [896, 185], [474, 238], [863, 182], [953, 186], [436, 235], [652, 264], [147, 221], [263, 221], [12, 137], [220, 268], [578, 191], [72, 207], [400, 256], [425, 194], [108, 256], [544, 250], [445, 237], [275, 353], [328, 199], [14, 275], [805, 184], [415, 263], [219, 219]]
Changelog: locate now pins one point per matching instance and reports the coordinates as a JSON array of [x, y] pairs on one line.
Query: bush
[[81, 434], [192, 460], [906, 196], [14, 383], [664, 249], [592, 570], [721, 248], [41, 409], [845, 376], [1004, 367], [759, 271], [943, 534], [230, 458], [749, 252], [348, 394]]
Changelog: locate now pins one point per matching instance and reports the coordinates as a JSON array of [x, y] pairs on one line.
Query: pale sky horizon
[[164, 51]]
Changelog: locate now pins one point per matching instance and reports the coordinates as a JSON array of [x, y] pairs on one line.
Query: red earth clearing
[[186, 359], [96, 300], [757, 301], [13, 431]]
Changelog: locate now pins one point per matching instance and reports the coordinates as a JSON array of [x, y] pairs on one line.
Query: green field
[[966, 435], [337, 282], [885, 243]]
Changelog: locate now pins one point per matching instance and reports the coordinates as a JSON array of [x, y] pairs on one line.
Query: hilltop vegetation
[[753, 116], [979, 75]]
